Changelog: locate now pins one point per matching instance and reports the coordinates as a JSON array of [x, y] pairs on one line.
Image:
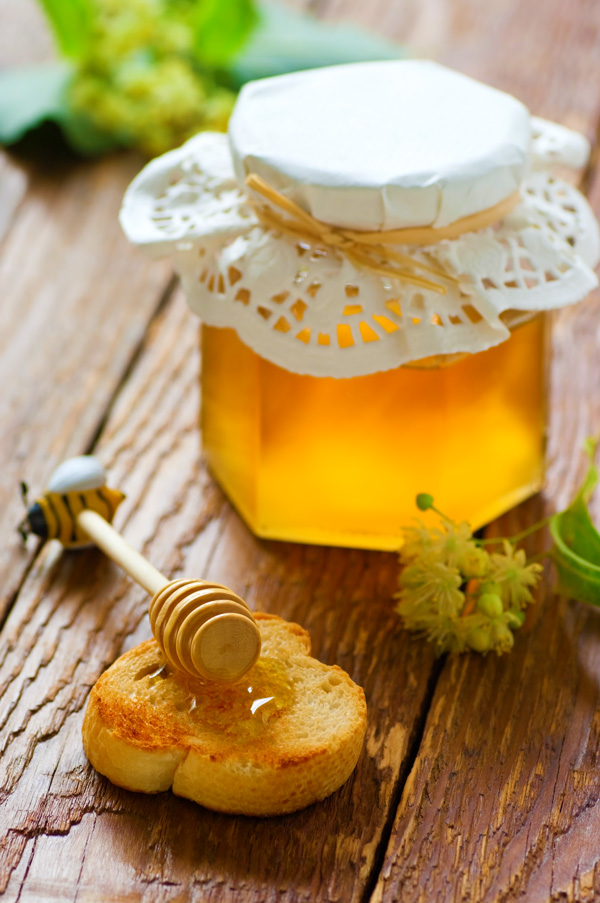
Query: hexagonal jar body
[[372, 287], [339, 461]]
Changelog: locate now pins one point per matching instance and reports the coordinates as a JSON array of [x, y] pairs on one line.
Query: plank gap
[[413, 748]]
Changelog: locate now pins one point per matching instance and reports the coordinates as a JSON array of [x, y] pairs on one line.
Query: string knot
[[371, 250]]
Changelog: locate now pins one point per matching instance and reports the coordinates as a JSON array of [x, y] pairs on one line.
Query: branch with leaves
[[152, 73], [465, 593]]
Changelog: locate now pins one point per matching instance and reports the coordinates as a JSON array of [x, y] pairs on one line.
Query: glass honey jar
[[371, 250]]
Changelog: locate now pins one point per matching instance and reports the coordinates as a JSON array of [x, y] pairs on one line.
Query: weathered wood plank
[[71, 833], [66, 832], [24, 40], [76, 613], [546, 54], [24, 37], [13, 187], [76, 302], [503, 801]]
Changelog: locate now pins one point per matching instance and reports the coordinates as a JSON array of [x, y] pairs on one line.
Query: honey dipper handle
[[112, 544]]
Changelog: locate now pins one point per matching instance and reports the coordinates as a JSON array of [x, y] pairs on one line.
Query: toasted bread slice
[[289, 734]]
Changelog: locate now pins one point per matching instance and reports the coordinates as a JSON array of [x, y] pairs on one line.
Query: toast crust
[[289, 734]]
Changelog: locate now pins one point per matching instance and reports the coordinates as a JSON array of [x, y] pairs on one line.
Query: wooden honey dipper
[[204, 629]]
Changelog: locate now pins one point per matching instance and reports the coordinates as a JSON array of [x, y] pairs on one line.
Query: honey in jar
[[341, 465]]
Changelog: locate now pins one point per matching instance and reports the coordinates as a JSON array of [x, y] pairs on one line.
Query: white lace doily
[[308, 309]]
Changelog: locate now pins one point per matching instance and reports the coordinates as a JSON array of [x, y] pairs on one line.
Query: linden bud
[[479, 639], [502, 639], [474, 563], [424, 501], [494, 588], [490, 604]]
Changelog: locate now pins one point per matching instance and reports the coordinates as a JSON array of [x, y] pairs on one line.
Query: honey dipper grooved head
[[205, 629]]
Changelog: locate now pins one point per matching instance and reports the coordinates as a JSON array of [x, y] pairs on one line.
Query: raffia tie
[[371, 250]]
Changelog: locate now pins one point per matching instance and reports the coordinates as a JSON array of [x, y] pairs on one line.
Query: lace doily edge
[[552, 145], [359, 360]]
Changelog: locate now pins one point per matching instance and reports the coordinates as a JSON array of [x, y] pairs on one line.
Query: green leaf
[[71, 23], [286, 40], [220, 29], [576, 550], [31, 96]]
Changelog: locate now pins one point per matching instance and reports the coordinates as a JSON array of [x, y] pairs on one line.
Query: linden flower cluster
[[139, 80], [457, 594]]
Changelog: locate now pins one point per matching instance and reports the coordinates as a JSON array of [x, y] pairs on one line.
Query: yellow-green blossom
[[416, 541], [487, 634], [473, 562], [514, 576], [139, 80], [453, 544], [432, 585], [456, 594]]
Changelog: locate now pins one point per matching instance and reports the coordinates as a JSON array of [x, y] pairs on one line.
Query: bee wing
[[83, 472]]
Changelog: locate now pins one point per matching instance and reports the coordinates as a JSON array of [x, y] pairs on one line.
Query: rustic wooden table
[[480, 778]]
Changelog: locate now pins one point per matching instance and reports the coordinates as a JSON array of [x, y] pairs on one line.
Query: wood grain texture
[[76, 302], [24, 37], [544, 53], [503, 802], [76, 613], [502, 798]]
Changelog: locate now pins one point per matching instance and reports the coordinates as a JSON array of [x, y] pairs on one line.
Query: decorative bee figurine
[[75, 485], [203, 628]]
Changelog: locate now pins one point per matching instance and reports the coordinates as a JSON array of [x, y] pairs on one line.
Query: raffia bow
[[371, 250]]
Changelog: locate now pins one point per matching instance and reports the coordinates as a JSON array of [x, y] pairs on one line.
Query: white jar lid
[[382, 145]]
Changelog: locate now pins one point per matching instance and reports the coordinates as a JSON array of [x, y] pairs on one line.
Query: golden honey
[[240, 710], [339, 461]]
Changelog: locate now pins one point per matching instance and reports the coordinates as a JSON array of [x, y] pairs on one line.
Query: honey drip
[[240, 711]]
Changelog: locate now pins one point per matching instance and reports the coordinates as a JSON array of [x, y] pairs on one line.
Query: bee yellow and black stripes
[[75, 485], [59, 512]]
